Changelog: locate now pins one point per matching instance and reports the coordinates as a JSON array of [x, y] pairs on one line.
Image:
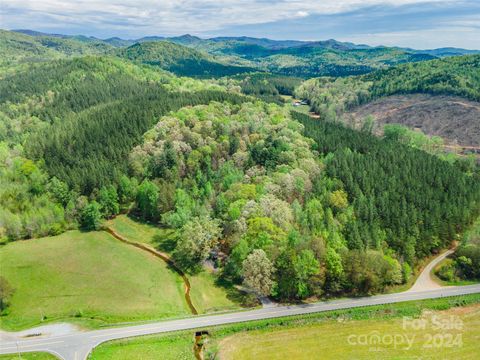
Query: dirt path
[[162, 256], [425, 280]]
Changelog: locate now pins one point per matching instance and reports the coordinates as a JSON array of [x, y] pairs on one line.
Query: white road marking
[[216, 320], [30, 345]]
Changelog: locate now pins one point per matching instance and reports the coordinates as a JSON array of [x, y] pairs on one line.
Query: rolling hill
[[308, 59], [27, 46], [93, 100], [179, 59], [326, 209], [19, 47], [225, 56]]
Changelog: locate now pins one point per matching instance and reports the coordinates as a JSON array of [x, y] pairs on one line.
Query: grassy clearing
[[291, 337], [29, 356], [165, 347], [142, 232], [305, 109], [208, 297], [342, 340], [89, 278], [206, 294]]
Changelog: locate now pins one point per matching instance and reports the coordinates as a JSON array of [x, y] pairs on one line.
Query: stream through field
[[162, 256]]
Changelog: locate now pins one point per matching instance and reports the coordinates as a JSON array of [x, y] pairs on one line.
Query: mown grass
[[29, 356], [206, 294], [90, 278], [155, 236], [165, 347], [314, 336], [343, 340]]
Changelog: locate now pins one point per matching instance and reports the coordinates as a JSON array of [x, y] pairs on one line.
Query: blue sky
[[412, 23]]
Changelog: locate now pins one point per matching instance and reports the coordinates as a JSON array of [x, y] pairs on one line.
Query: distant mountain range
[[188, 39], [222, 56]]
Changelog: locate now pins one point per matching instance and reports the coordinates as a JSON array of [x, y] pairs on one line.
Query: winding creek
[[162, 256]]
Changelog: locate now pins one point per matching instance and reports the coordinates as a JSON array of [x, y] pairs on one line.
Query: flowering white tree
[[257, 272], [198, 237]]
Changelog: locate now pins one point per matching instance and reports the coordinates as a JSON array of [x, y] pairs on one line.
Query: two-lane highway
[[77, 346]]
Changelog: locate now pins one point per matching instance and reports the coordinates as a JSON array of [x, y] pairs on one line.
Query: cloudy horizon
[[407, 23]]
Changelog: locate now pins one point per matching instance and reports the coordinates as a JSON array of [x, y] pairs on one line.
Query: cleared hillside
[[454, 119], [332, 97]]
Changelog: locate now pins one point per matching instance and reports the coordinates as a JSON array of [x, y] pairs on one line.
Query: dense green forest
[[77, 120], [310, 206], [264, 86], [84, 115], [29, 206], [330, 97], [47, 93], [179, 59], [88, 150], [245, 181], [412, 200], [191, 56], [323, 58]]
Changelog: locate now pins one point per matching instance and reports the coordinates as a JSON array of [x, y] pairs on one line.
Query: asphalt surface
[[78, 345]]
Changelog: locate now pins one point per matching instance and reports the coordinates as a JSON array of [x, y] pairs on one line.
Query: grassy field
[[316, 336], [29, 356], [206, 295], [344, 340], [165, 347], [209, 297], [141, 232], [90, 278]]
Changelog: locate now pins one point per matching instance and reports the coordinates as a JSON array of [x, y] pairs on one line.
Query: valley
[[268, 191]]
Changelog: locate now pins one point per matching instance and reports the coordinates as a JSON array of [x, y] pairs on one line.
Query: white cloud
[[302, 13], [352, 20], [462, 37], [170, 16]]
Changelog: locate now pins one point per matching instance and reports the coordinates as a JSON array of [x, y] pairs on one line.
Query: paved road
[[424, 280], [77, 346]]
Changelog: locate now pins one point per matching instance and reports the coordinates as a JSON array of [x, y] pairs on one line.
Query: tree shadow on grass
[[164, 243], [235, 295]]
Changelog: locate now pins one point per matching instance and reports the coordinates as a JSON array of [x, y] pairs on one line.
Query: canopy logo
[[430, 331], [376, 341]]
